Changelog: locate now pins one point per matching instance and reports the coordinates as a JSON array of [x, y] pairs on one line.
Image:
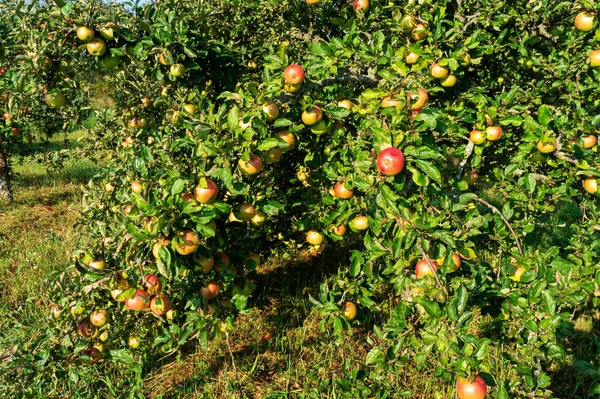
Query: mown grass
[[278, 350]]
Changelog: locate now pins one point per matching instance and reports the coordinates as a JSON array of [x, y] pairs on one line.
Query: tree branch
[[497, 211], [431, 267], [468, 152]]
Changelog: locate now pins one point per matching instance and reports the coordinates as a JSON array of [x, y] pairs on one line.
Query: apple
[[349, 311], [421, 97], [289, 139], [493, 133], [94, 354], [360, 5], [190, 109], [96, 47], [390, 161], [139, 301], [290, 88], [457, 261], [438, 71], [252, 260], [467, 389], [271, 110], [312, 2], [423, 269], [341, 191], [471, 177], [187, 242], [477, 136], [419, 32], [188, 197], [55, 311], [133, 342], [146, 102], [312, 116], [313, 237], [99, 318], [245, 211], [164, 91], [320, 127], [252, 64], [206, 191], [136, 186], [97, 264], [293, 74], [390, 101], [584, 21], [258, 219], [589, 141], [546, 147], [160, 305], [411, 58], [274, 155], [87, 330], [360, 223], [54, 99], [233, 219], [595, 58], [221, 261], [151, 283], [104, 336], [109, 31], [127, 142], [85, 34], [339, 230], [449, 81], [250, 167], [204, 264], [16, 131], [8, 116], [210, 310], [177, 70], [2, 71], [162, 242], [111, 62], [591, 185], [347, 104], [46, 64], [76, 310], [210, 290]]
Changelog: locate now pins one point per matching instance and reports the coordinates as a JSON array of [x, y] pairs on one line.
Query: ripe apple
[[87, 330], [187, 242], [493, 133], [438, 71], [339, 230], [258, 219], [271, 110], [360, 5], [591, 185], [133, 342], [94, 354], [160, 305], [96, 47], [390, 101], [99, 318], [252, 260], [313, 237], [312, 2], [546, 147], [390, 161], [151, 283], [206, 191], [595, 58], [190, 109], [204, 264], [162, 242], [136, 186], [411, 58], [312, 116], [250, 167], [211, 290], [85, 34], [139, 301], [289, 139], [189, 197], [320, 127], [54, 99], [421, 97], [589, 141], [8, 116], [477, 136], [419, 32], [221, 261], [97, 264], [457, 261], [423, 269], [293, 74], [449, 81], [584, 21], [341, 191], [471, 177], [177, 70], [274, 155], [109, 188], [349, 311], [360, 223], [76, 310], [467, 389], [245, 211], [290, 88], [146, 102], [347, 104], [16, 131]]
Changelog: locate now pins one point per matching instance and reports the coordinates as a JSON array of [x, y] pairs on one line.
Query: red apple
[[339, 230], [271, 110], [584, 21], [204, 264], [206, 191], [423, 269], [349, 311], [313, 237], [139, 301], [390, 101], [252, 166], [438, 71], [312, 116], [187, 242], [493, 133], [210, 290], [293, 74], [160, 305], [87, 330], [151, 283], [467, 389], [390, 161], [589, 141], [341, 191], [360, 5], [477, 137]]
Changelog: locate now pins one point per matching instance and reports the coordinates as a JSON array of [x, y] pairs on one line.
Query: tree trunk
[[5, 191]]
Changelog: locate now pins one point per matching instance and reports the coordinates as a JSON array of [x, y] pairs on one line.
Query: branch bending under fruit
[[497, 211], [431, 267], [468, 152]]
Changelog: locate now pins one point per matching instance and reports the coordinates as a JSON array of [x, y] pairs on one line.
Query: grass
[[279, 350]]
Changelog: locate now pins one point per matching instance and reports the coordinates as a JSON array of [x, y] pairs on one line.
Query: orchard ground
[[276, 351]]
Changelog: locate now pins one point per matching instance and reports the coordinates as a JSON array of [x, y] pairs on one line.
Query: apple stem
[[468, 152], [437, 278], [497, 211]]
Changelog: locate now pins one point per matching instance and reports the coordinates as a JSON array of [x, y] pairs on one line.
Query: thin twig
[[499, 265], [232, 359], [468, 152], [497, 211]]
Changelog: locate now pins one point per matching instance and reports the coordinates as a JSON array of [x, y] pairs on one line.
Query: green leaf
[[233, 118], [431, 307], [430, 169], [549, 302], [562, 265], [375, 356], [122, 356], [585, 367], [268, 144], [544, 115], [178, 186]]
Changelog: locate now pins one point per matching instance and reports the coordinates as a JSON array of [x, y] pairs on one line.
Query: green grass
[[276, 351]]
